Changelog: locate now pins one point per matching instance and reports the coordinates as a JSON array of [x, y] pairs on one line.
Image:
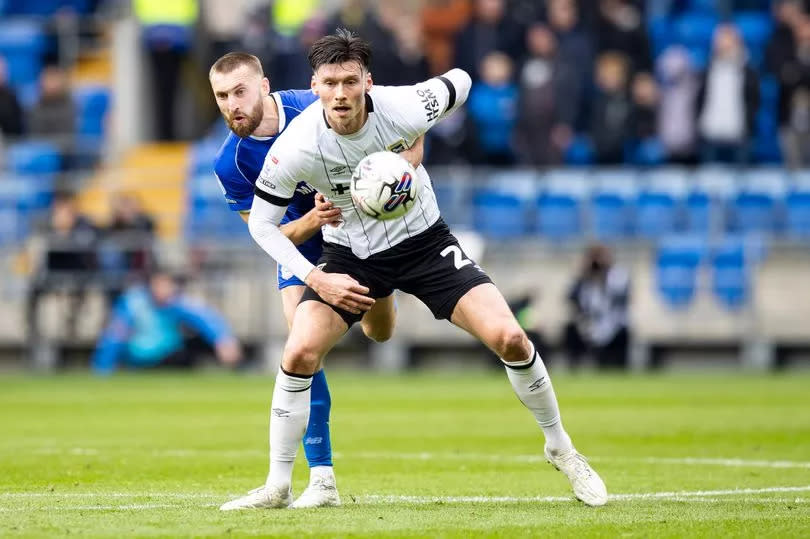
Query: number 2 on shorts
[[458, 257]]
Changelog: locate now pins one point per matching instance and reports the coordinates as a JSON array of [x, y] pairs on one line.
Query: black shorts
[[431, 266]]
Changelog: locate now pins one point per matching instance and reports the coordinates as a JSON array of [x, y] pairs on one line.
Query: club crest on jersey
[[398, 146], [400, 192]]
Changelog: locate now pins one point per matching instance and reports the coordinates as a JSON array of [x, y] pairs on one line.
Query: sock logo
[[537, 384], [280, 412], [313, 440]]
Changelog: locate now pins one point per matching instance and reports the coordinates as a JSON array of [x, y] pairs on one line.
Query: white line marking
[[698, 496], [237, 453]]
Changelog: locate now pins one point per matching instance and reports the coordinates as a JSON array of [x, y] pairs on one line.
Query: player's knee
[[511, 343], [378, 332], [300, 359]]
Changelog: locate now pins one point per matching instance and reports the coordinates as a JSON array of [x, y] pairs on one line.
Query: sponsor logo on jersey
[[430, 102], [340, 169], [274, 160], [266, 183], [304, 188]]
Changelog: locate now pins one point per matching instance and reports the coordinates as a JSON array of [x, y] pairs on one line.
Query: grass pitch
[[428, 455]]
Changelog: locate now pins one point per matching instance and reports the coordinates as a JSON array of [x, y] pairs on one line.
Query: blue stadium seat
[[700, 213], [45, 7], [695, 29], [797, 215], [34, 157], [203, 154], [659, 30], [730, 274], [610, 216], [647, 152], [22, 44], [580, 151], [702, 6], [92, 103], [677, 263], [559, 216], [758, 206], [656, 214], [498, 215], [755, 28]]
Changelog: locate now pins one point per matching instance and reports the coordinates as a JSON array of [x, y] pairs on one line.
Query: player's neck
[[269, 124]]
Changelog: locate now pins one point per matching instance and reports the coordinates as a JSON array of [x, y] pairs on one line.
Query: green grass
[[155, 455]]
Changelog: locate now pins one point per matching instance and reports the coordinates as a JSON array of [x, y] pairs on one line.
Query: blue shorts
[[287, 278]]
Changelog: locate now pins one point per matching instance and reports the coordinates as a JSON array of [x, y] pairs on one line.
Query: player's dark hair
[[339, 48], [235, 60]]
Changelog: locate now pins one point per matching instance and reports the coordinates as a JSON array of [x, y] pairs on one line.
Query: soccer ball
[[384, 186]]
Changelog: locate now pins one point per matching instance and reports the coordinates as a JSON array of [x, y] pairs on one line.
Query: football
[[384, 185]]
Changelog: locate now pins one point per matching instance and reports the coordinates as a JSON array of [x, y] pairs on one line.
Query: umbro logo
[[340, 169], [537, 384], [280, 412]]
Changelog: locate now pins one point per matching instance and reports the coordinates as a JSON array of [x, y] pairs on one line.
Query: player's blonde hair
[[235, 60]]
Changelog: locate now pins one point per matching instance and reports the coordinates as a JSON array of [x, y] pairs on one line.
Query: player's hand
[[228, 351], [415, 153], [325, 211], [340, 290]]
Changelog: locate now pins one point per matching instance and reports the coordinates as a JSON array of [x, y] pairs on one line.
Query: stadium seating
[[755, 28], [34, 157], [730, 273], [797, 215], [678, 260], [499, 215], [559, 216], [22, 44]]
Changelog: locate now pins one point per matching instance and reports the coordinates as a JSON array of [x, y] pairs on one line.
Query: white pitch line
[[702, 496], [486, 457]]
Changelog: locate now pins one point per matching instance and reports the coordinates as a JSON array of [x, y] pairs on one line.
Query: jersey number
[[458, 257]]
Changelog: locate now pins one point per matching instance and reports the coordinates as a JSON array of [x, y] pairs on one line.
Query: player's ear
[[369, 81], [265, 86], [314, 85]]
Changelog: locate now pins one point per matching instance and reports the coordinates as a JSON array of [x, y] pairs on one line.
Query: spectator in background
[[620, 27], [677, 124], [492, 106], [289, 67], [167, 34], [728, 100], [794, 113], [644, 117], [441, 21], [149, 326], [129, 236], [490, 29], [610, 109], [409, 62], [599, 299], [10, 111], [65, 260], [548, 90], [54, 114], [574, 46]]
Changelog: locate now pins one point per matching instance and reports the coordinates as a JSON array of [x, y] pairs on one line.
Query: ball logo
[[400, 193]]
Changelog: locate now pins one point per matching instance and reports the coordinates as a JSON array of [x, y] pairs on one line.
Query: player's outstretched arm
[[336, 289]]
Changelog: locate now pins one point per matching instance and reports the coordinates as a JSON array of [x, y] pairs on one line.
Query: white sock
[[326, 473], [533, 387], [289, 415]]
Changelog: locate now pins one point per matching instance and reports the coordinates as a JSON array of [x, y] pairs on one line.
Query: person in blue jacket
[[155, 325]]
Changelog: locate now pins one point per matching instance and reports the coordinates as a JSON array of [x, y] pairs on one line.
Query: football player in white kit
[[365, 260]]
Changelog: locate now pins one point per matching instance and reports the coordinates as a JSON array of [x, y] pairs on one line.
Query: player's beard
[[249, 123]]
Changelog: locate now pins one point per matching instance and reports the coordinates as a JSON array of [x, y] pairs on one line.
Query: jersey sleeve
[[297, 99], [285, 165], [419, 107], [236, 188]]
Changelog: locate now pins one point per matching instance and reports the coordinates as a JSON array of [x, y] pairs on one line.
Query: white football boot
[[263, 497], [588, 486], [321, 492]]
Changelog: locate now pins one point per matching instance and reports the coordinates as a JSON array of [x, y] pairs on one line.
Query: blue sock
[[317, 444]]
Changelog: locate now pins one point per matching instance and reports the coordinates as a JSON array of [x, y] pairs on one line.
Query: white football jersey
[[310, 151]]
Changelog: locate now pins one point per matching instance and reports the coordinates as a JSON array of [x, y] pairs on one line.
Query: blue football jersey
[[239, 162]]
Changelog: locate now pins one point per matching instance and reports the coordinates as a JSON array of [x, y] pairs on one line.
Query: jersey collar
[[282, 117]]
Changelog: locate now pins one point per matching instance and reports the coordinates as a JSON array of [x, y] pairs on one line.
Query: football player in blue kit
[[256, 117]]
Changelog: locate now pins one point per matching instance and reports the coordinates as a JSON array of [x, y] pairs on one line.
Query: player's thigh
[[290, 297], [484, 313], [378, 323], [316, 328]]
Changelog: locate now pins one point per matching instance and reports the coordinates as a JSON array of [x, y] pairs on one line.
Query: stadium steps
[[156, 173]]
